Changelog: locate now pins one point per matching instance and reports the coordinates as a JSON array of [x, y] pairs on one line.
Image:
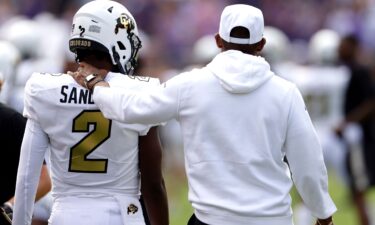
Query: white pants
[[96, 211], [43, 207]]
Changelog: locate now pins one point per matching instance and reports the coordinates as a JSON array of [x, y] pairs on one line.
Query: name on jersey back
[[73, 95]]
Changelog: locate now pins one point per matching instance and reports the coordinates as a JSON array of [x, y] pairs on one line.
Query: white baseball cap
[[241, 15]]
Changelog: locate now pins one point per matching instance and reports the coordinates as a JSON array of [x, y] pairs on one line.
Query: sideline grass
[[180, 209]]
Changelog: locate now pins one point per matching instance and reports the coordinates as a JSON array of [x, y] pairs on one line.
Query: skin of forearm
[[44, 185], [362, 112], [156, 203]]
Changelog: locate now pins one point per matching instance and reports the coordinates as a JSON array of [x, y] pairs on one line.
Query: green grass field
[[180, 209]]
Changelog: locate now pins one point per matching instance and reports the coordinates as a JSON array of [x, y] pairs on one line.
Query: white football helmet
[[24, 34], [205, 49], [107, 26], [277, 45], [10, 56], [323, 47]]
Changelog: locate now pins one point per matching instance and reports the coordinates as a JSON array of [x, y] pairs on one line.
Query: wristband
[[89, 78], [90, 87]]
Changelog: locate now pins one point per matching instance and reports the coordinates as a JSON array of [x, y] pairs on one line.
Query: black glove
[[7, 212], [327, 221]]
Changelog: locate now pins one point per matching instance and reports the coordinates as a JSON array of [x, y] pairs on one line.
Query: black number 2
[[82, 29]]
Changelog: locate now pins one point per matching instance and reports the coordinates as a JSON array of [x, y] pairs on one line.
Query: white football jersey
[[88, 153], [323, 89]]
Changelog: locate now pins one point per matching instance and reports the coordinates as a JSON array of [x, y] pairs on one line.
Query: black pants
[[195, 221], [3, 221]]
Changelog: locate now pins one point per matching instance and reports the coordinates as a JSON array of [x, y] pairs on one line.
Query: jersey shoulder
[[45, 81], [128, 81]]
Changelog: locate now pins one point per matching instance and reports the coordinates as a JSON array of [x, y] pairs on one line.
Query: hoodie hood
[[240, 73]]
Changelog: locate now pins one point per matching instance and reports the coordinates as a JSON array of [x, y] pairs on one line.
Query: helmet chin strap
[[116, 57], [136, 44]]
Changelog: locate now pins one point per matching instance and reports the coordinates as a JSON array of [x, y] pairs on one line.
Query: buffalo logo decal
[[124, 22], [132, 209]]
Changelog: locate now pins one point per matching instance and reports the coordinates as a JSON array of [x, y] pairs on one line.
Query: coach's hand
[[327, 221], [85, 70]]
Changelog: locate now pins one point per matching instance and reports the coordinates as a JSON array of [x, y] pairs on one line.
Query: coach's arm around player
[[99, 81], [239, 120]]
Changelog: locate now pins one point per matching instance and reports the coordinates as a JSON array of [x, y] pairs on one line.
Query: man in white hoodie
[[238, 121]]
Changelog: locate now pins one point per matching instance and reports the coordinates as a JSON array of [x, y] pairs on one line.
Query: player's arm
[[44, 187], [34, 146], [363, 110], [152, 182]]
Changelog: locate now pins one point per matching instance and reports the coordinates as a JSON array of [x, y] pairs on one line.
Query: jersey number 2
[[78, 161]]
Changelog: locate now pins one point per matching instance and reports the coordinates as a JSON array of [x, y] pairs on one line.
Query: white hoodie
[[238, 121], [240, 74]]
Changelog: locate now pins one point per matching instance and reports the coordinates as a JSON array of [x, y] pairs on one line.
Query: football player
[[322, 84], [99, 167], [359, 109]]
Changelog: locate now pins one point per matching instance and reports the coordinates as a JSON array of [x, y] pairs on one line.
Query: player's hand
[[327, 221], [7, 212]]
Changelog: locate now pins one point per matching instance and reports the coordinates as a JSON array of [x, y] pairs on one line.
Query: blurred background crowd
[[173, 26], [303, 39]]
